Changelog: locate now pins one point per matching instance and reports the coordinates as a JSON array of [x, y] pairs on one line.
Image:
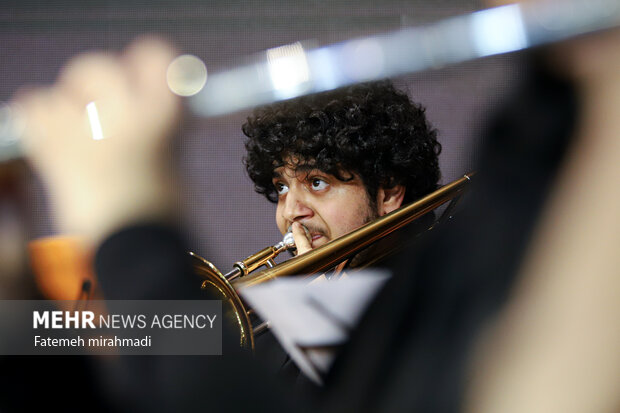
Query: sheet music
[[310, 319]]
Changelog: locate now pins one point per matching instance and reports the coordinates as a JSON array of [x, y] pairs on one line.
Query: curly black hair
[[371, 129]]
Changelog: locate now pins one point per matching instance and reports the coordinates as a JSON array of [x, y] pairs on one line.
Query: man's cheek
[[280, 225]]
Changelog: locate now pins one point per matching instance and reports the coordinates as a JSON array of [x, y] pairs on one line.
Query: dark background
[[225, 220]]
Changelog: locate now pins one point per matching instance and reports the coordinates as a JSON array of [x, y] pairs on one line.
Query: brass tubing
[[257, 260], [332, 253]]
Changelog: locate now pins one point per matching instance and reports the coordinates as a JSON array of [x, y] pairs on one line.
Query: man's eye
[[318, 184], [281, 189]]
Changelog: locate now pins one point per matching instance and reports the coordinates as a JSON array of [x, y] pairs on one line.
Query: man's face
[[325, 205]]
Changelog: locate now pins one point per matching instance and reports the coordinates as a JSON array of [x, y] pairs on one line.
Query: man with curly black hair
[[337, 160]]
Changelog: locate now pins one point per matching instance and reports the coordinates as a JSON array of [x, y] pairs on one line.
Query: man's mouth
[[316, 238]]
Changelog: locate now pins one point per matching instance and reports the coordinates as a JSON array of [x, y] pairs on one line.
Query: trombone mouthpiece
[[288, 240]]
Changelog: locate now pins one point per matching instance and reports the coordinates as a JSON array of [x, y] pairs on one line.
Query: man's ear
[[389, 199]]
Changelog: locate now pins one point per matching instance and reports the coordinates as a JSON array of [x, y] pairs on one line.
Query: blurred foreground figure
[[98, 138], [556, 347], [539, 231]]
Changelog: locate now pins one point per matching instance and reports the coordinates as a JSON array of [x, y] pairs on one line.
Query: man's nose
[[296, 207]]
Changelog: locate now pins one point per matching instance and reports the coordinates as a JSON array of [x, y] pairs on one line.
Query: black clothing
[[410, 352]]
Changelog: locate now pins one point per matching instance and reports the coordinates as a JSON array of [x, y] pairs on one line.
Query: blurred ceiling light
[[288, 69], [12, 125], [364, 60], [186, 75], [95, 123], [498, 30]]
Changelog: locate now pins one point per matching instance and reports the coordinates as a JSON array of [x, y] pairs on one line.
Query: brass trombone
[[226, 286]]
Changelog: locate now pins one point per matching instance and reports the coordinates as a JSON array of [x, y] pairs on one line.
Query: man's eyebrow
[[298, 169], [306, 168]]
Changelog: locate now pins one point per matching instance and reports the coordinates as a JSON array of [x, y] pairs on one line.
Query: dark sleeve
[[150, 261], [146, 261]]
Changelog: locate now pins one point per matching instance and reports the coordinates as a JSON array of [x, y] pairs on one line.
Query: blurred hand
[[104, 166]]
